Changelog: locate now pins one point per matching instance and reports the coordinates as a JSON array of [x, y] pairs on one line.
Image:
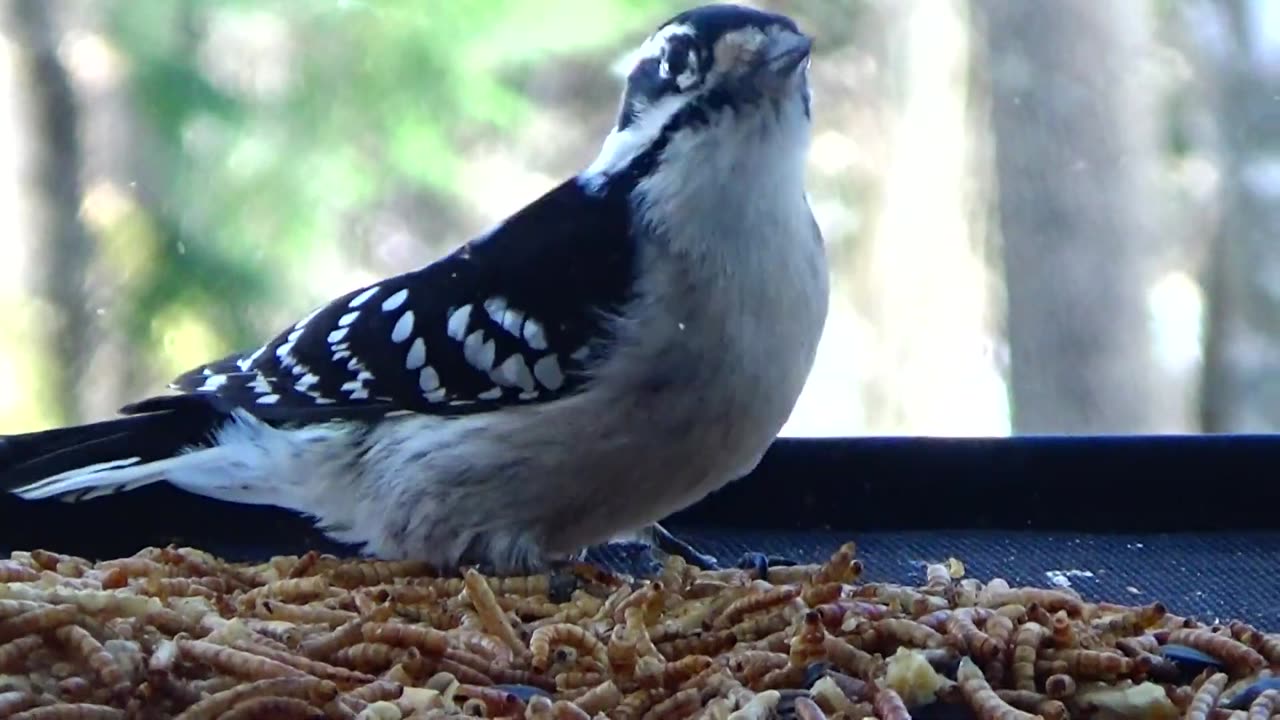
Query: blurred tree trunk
[[923, 276], [1241, 64], [1076, 161], [63, 252]]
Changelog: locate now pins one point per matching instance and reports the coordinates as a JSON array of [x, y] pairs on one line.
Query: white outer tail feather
[[249, 463], [71, 480], [123, 475]]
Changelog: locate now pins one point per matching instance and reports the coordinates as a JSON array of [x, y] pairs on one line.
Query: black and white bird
[[610, 354]]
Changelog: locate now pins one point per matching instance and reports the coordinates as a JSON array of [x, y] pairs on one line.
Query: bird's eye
[[679, 64]]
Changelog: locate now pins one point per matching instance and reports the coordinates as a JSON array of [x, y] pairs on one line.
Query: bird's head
[[710, 82]]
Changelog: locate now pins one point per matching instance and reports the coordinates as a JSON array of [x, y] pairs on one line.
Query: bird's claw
[[759, 563], [670, 544], [562, 580]]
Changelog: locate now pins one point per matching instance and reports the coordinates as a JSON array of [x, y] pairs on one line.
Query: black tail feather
[[163, 427]]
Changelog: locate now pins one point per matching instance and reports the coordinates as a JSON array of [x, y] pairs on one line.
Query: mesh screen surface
[[1209, 576], [1206, 575]]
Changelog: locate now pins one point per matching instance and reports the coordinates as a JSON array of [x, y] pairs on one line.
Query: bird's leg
[[757, 562], [562, 579], [564, 574], [664, 541]]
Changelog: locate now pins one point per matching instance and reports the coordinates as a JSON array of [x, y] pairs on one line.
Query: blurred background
[[1043, 215]]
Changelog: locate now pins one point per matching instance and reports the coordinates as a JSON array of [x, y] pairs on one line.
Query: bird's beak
[[784, 54]]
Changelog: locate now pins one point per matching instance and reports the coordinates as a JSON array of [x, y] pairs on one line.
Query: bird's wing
[[513, 317]]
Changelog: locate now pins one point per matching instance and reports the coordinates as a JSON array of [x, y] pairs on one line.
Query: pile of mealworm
[[176, 632]]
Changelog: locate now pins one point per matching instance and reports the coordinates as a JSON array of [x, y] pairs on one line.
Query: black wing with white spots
[[512, 317]]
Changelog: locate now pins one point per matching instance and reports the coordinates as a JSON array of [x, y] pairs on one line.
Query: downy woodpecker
[[610, 354]]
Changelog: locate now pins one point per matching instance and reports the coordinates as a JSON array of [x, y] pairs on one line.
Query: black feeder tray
[[1190, 520]]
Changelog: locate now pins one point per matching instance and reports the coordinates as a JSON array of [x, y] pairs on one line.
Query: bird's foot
[[664, 541], [757, 562], [566, 576], [562, 580]]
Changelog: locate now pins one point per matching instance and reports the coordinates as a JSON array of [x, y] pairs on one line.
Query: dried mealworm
[[886, 634], [1059, 686], [343, 676], [1034, 702], [12, 608], [423, 664], [13, 654], [840, 567], [292, 590], [1206, 698], [759, 707], [375, 691], [68, 565], [750, 665], [1235, 654], [635, 623], [679, 705], [495, 671], [1062, 632], [482, 644], [376, 572], [371, 657], [427, 640], [539, 708], [809, 644], [600, 699], [982, 646], [712, 643], [832, 698], [635, 705], [547, 637], [755, 602], [1026, 648], [301, 614], [15, 701], [622, 651], [889, 705], [982, 698], [849, 658], [1051, 600], [70, 711], [574, 679], [92, 654], [11, 571], [234, 662], [322, 647], [274, 708], [1267, 645], [806, 709], [648, 598], [317, 691], [1264, 705], [491, 615], [37, 621], [565, 710], [136, 567], [496, 702], [1087, 664]]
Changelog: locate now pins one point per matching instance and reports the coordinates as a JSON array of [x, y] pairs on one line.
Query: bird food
[[176, 632]]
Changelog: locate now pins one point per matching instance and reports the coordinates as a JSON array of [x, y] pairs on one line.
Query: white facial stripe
[[622, 146], [686, 79], [652, 47]]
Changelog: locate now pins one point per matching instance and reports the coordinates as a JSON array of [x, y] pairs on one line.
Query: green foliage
[[377, 94]]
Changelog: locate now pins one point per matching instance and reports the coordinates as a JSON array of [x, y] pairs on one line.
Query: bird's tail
[[118, 455]]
